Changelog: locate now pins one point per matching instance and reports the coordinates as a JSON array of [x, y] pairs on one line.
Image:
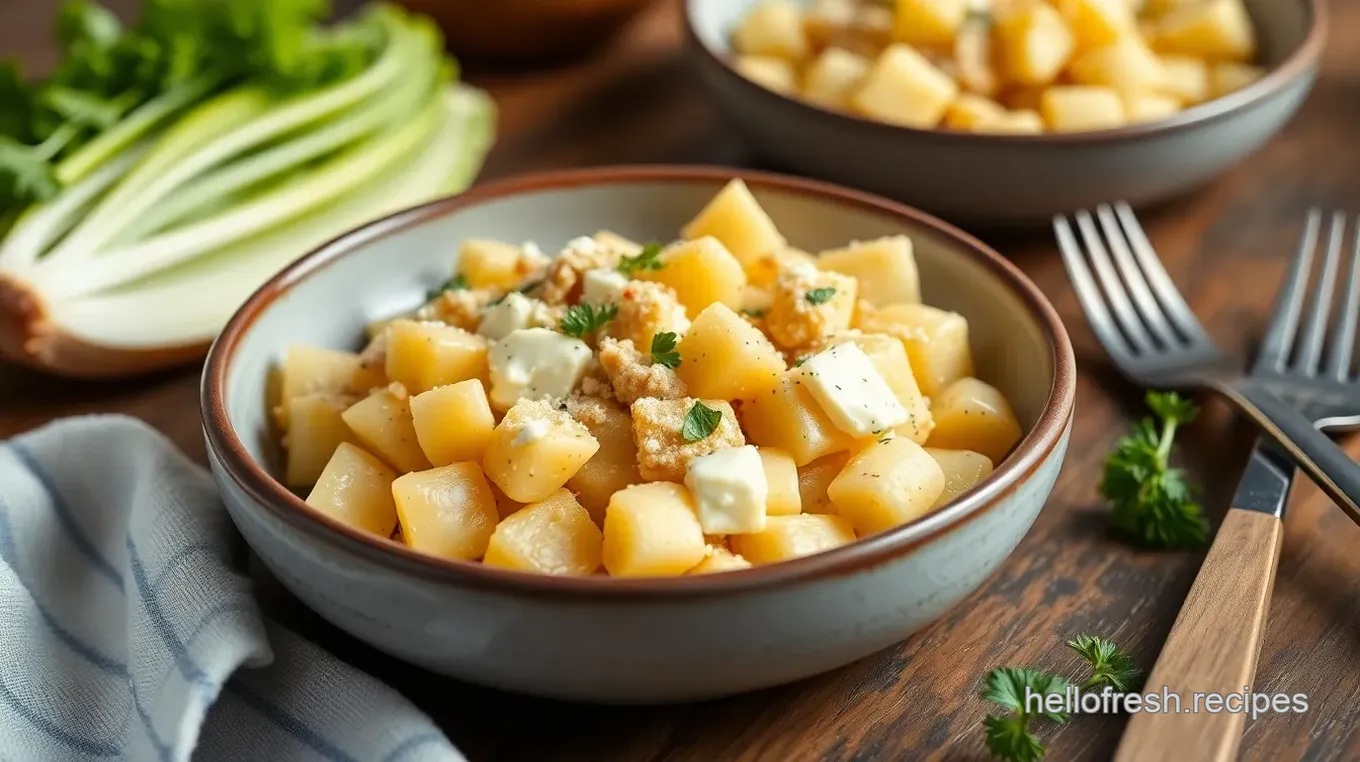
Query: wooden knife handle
[[1213, 647]]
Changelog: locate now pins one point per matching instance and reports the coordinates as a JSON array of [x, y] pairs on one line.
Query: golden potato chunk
[[1186, 79], [614, 465], [789, 537], [496, 265], [936, 342], [553, 536], [1218, 30], [963, 470], [904, 88], [421, 356], [736, 219], [665, 445], [448, 511], [973, 415], [1228, 77], [776, 74], [772, 28], [453, 423], [720, 559], [886, 485], [1035, 43], [535, 449], [701, 272], [831, 78], [1081, 108], [356, 488], [815, 477], [929, 22], [885, 269], [1128, 65], [382, 424], [965, 113], [781, 479], [1149, 107], [1095, 23], [973, 58], [723, 356], [789, 418], [317, 370], [316, 428], [1022, 122], [651, 530], [810, 304]]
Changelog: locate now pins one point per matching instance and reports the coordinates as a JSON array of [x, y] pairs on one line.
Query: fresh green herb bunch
[[1008, 735], [1110, 664]]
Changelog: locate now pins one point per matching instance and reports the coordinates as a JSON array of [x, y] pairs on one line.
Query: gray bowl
[[1016, 179]]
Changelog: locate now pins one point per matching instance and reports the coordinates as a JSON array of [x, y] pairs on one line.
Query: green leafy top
[[1110, 665], [584, 319], [647, 259], [663, 350], [1153, 504], [456, 283], [1008, 735], [700, 422], [820, 295]]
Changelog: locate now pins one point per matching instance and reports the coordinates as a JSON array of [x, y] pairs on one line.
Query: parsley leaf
[[456, 283], [584, 319], [1110, 665], [820, 295], [663, 350], [647, 259], [1153, 504], [1008, 735], [754, 313], [700, 421]]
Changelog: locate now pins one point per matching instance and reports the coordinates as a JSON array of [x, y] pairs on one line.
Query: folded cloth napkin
[[125, 633]]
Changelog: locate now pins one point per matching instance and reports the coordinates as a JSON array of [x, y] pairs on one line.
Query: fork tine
[[1343, 342], [1088, 293], [1170, 297], [1115, 293], [1315, 328], [1153, 314], [1284, 323]]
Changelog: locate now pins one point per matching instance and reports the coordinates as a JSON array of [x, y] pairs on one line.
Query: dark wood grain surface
[[1225, 245]]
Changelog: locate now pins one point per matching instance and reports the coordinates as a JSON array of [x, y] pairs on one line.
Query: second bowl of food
[[1008, 111], [679, 459]]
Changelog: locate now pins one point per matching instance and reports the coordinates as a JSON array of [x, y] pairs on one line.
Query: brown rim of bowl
[[1303, 58], [1036, 446]]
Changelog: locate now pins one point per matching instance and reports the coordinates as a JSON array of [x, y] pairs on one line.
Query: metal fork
[[1155, 340], [1215, 643]]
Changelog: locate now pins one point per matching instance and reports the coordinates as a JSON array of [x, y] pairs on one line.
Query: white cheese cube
[[602, 286], [512, 313], [852, 392], [729, 490], [533, 363]]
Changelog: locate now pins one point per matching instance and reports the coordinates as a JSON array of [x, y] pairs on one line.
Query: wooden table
[[1226, 247]]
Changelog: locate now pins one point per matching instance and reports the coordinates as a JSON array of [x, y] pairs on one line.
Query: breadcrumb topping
[[461, 307], [646, 309], [633, 376], [562, 282], [809, 304], [663, 453]]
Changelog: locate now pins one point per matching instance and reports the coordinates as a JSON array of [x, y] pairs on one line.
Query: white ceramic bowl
[[640, 640], [1016, 179]]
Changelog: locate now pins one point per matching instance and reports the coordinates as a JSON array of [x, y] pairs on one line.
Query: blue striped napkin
[[126, 634]]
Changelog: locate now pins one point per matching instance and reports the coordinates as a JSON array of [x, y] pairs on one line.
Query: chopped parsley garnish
[[647, 259], [456, 283], [820, 295], [584, 319], [700, 421], [663, 350], [1153, 503], [754, 313]]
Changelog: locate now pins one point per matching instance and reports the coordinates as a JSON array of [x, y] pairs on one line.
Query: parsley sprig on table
[[1153, 503], [1008, 735], [584, 319], [647, 259], [1110, 664], [663, 350]]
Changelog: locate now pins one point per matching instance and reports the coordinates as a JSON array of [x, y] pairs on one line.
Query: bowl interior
[[386, 269]]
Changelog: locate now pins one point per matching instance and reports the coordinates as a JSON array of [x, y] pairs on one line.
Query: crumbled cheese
[[632, 377], [533, 363], [729, 490], [532, 431], [563, 280], [584, 245], [854, 395], [602, 286], [511, 314], [531, 250]]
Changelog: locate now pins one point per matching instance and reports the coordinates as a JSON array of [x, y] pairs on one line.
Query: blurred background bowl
[[516, 31], [1016, 179]]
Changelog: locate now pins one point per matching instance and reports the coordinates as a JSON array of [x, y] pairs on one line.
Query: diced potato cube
[[965, 113], [553, 536], [973, 59], [1127, 65], [772, 28], [702, 272], [789, 418], [316, 429], [1149, 107], [664, 452], [1185, 79], [973, 415], [763, 271], [720, 560], [833, 76], [1228, 77], [504, 505], [963, 470], [775, 74], [1096, 23], [889, 357], [789, 537], [453, 423], [651, 530], [382, 424], [614, 465], [493, 264], [724, 357], [736, 219], [815, 477], [810, 304], [1218, 30], [886, 485], [1022, 97], [356, 488], [1022, 122], [885, 267], [905, 89], [447, 511], [936, 342], [423, 355], [1082, 108], [1035, 44], [535, 449], [929, 22], [781, 480], [316, 370]]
